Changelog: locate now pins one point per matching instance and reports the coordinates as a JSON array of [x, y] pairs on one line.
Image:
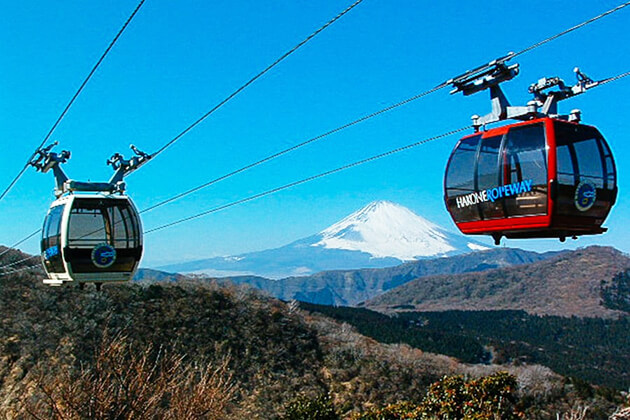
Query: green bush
[[399, 411], [457, 398], [307, 408]]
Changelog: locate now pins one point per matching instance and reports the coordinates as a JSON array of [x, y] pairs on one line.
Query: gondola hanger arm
[[45, 160], [545, 102], [124, 167]]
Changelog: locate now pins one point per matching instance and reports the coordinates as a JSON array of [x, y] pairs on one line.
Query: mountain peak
[[386, 229], [381, 234], [380, 206]]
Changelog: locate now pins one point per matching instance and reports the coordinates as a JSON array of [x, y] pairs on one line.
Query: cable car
[[537, 179], [92, 232], [547, 176], [91, 238]]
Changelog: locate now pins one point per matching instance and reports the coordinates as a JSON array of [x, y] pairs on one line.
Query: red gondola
[[546, 177], [538, 179]]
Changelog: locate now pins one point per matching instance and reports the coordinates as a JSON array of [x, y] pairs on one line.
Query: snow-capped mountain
[[385, 229], [382, 234]]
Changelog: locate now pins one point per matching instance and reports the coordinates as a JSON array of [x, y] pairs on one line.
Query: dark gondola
[[91, 238], [92, 232], [546, 177]]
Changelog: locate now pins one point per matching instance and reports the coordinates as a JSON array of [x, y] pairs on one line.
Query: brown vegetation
[[566, 285], [128, 383], [193, 350]]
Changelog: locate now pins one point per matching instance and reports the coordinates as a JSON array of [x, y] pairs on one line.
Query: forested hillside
[[587, 348]]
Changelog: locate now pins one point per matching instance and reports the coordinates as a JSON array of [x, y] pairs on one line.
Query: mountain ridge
[[569, 284], [350, 287]]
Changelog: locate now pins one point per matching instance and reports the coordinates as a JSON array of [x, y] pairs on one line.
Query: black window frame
[[50, 239], [106, 209]]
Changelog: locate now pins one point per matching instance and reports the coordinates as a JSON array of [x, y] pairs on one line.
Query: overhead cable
[[292, 148], [74, 97], [310, 178], [571, 29], [20, 242], [612, 79], [253, 79], [19, 262], [17, 270], [357, 121]]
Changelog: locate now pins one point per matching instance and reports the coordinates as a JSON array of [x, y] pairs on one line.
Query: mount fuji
[[381, 234]]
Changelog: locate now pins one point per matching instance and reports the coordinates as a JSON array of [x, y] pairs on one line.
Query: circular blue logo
[[585, 195], [103, 255]]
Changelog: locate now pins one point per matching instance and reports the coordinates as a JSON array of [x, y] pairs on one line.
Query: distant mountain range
[[586, 283], [577, 283], [350, 287], [382, 234]]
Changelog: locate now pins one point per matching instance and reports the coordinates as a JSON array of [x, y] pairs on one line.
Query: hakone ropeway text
[[493, 194]]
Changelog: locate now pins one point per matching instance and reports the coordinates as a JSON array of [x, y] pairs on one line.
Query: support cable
[[65, 111], [20, 242], [17, 270], [19, 262], [253, 79], [573, 28], [310, 178], [614, 78], [352, 123], [294, 147]]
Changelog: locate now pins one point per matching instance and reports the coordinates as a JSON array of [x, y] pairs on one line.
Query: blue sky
[[178, 59]]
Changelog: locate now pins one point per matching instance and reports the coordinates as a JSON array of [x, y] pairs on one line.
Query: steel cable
[[612, 79], [256, 77], [294, 147], [20, 242], [357, 121], [571, 29], [310, 178], [32, 267], [74, 97], [20, 261]]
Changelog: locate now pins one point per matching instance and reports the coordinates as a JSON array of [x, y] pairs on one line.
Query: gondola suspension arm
[[45, 160], [491, 75]]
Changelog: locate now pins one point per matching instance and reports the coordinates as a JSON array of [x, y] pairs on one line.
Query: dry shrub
[[203, 392], [621, 414], [578, 413], [125, 383]]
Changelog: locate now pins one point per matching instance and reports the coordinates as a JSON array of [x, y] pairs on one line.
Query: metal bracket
[[45, 159], [491, 75], [484, 77], [124, 166]]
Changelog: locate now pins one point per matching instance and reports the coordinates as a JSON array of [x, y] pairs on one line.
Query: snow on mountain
[[385, 229], [382, 234]]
